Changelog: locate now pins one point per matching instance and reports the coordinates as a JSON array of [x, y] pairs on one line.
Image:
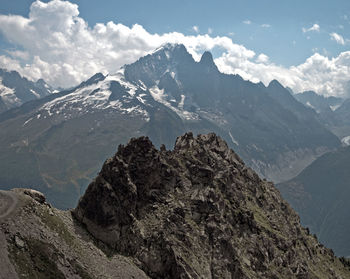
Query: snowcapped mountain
[[61, 140], [16, 90], [100, 92]]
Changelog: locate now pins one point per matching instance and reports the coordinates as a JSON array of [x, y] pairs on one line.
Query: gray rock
[[197, 212], [19, 242]]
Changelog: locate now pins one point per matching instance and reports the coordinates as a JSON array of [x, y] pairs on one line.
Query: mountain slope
[[268, 128], [60, 141], [320, 194], [343, 112], [16, 90], [39, 241], [321, 104], [199, 212]]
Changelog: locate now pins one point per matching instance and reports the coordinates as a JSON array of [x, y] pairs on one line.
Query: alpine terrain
[[192, 212], [320, 195], [16, 90], [59, 142]]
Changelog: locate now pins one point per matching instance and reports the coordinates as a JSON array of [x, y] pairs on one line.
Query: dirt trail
[[8, 203]]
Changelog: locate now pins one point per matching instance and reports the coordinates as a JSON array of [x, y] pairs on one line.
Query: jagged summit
[[198, 212], [16, 89], [170, 47], [93, 80], [275, 84], [208, 61]]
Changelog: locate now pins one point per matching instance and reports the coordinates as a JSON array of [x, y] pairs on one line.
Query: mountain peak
[[207, 60], [275, 83], [171, 50], [176, 207], [92, 80], [170, 46]]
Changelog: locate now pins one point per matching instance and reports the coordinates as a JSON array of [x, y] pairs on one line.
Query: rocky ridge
[[199, 212], [39, 241], [60, 142], [15, 90]]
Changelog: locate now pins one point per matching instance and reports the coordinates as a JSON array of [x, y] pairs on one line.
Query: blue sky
[[287, 32], [283, 40]]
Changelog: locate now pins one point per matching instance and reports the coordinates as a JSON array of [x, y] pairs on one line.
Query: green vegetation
[[36, 261], [55, 224], [78, 268]]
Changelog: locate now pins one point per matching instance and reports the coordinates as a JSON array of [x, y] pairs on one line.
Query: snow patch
[[34, 93], [233, 139], [143, 86], [309, 105], [333, 108], [182, 102], [346, 141], [160, 97], [119, 77], [8, 96], [25, 123]]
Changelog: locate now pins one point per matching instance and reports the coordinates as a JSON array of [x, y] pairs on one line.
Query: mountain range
[[195, 211], [15, 90], [333, 112], [60, 141]]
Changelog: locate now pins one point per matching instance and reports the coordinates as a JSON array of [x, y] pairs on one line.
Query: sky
[[303, 44]]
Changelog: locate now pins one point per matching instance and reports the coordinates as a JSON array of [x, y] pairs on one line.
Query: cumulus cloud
[[56, 44], [313, 28], [62, 49], [18, 54], [247, 22], [319, 73], [337, 38], [262, 58]]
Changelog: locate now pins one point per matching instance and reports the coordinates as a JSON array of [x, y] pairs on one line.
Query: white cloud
[[195, 28], [337, 38], [265, 25], [262, 58], [247, 22], [59, 46], [319, 73], [313, 28], [24, 55]]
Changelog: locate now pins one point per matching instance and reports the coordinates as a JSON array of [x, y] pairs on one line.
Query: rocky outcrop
[[198, 212], [39, 241]]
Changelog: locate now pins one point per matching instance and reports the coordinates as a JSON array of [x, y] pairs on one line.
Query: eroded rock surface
[[199, 212], [39, 241]]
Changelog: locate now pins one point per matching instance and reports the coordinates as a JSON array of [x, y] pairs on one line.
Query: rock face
[[39, 241], [15, 90], [199, 212]]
